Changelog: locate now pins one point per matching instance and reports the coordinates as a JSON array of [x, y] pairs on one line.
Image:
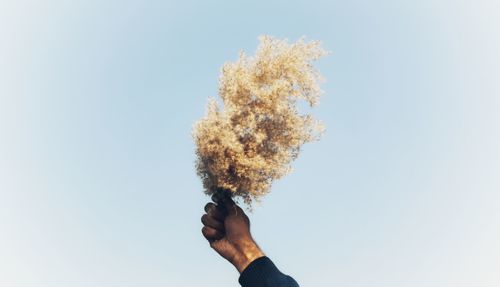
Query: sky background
[[97, 179]]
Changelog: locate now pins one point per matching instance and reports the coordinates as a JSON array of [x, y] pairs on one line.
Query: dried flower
[[252, 141]]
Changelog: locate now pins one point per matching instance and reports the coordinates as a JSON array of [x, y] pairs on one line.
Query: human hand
[[227, 229]]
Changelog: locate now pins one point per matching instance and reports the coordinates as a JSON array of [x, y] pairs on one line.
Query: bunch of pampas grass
[[251, 141]]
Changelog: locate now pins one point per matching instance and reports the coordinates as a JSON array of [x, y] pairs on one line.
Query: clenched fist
[[227, 229]]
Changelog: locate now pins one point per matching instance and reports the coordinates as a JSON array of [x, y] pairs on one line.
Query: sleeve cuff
[[261, 272], [256, 273]]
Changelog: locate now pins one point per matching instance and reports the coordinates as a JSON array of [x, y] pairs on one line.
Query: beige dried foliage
[[253, 139]]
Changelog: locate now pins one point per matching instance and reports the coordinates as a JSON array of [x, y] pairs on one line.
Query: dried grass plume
[[252, 140]]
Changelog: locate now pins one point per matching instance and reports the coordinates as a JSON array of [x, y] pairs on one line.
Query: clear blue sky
[[97, 182]]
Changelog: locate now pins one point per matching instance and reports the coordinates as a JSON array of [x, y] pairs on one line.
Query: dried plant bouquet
[[251, 141]]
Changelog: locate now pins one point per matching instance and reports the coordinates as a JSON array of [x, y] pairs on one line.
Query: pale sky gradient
[[97, 182]]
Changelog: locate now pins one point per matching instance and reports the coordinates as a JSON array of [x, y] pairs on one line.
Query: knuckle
[[208, 206], [213, 213], [207, 231]]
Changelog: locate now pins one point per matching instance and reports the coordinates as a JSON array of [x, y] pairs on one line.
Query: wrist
[[248, 254]]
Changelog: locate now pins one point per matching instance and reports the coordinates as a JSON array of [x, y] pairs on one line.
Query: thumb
[[229, 204], [224, 199]]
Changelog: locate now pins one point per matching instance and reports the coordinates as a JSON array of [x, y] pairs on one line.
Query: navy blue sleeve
[[263, 273]]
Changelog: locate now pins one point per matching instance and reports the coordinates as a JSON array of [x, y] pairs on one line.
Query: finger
[[211, 234], [221, 195], [225, 202], [210, 221], [214, 211], [216, 197]]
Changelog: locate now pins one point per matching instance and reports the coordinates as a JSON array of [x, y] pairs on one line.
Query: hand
[[227, 229]]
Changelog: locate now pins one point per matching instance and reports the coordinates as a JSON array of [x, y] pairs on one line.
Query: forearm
[[249, 252]]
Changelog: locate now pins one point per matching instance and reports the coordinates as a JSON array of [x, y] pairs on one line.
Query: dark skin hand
[[227, 229]]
